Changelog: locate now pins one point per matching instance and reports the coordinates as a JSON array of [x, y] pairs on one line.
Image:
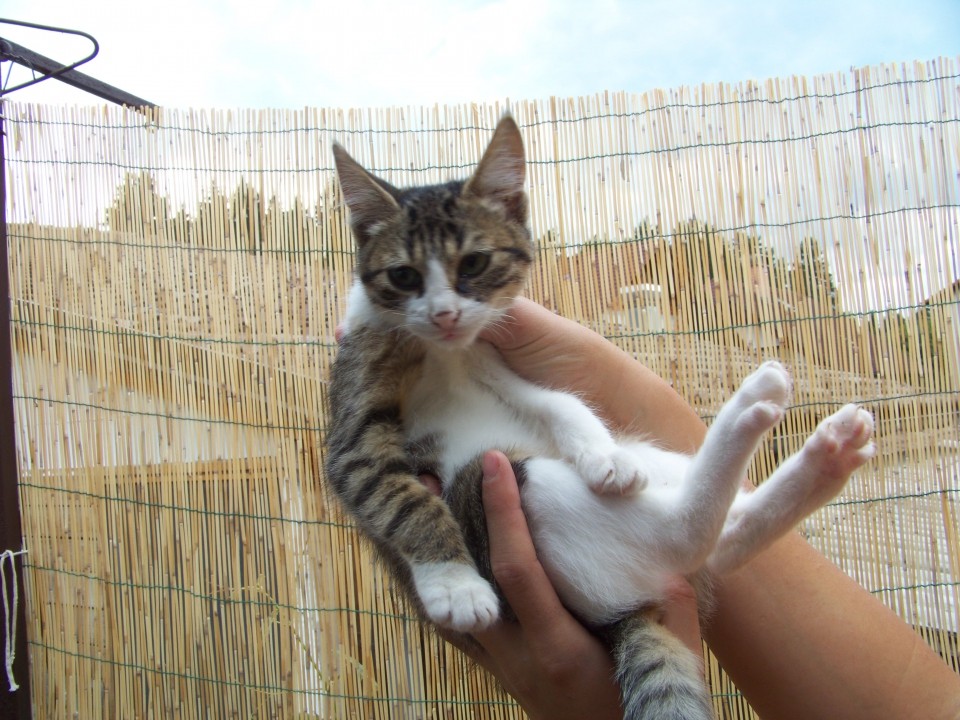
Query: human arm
[[800, 638], [803, 640]]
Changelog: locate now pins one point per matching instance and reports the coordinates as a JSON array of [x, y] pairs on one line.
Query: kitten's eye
[[405, 278], [473, 264]]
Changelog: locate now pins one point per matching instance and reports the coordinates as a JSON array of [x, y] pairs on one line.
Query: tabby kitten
[[413, 391]]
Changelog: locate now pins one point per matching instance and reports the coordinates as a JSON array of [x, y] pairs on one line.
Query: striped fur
[[659, 678]]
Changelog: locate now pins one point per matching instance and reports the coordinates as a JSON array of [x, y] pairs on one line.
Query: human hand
[[546, 348], [547, 660], [556, 352]]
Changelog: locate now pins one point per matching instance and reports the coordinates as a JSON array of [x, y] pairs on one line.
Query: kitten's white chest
[[453, 402]]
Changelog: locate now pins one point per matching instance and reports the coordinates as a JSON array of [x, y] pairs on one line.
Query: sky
[[375, 53]]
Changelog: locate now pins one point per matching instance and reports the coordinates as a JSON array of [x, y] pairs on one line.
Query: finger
[[512, 555], [515, 326]]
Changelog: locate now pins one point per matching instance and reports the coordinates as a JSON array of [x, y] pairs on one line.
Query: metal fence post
[[13, 705]]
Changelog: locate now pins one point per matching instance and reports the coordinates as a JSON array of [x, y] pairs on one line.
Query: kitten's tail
[[660, 679]]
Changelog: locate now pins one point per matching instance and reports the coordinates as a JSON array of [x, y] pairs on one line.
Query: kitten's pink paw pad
[[454, 596], [614, 473], [844, 441]]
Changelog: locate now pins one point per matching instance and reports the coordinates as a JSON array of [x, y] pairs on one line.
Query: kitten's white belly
[[468, 420], [605, 555], [602, 553]]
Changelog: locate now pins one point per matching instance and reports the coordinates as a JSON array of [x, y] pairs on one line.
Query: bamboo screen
[[177, 278]]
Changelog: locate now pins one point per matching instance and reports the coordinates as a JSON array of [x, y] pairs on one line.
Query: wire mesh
[[176, 281]]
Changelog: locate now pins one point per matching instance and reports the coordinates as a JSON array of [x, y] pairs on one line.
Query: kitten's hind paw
[[759, 403], [840, 444], [844, 441], [454, 596], [770, 382]]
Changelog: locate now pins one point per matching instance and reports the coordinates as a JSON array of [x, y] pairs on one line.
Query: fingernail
[[491, 466]]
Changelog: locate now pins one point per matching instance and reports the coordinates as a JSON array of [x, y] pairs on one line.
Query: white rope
[[10, 612]]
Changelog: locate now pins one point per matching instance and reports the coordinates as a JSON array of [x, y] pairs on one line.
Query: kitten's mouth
[[454, 338]]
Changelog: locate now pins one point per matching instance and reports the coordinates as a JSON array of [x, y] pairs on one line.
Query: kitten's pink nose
[[445, 320]]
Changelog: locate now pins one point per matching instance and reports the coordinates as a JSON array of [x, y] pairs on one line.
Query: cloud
[[292, 53]]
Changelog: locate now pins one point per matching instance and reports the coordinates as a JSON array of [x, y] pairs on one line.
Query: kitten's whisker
[[498, 324]]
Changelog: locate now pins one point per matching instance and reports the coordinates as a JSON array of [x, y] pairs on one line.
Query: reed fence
[[176, 279]]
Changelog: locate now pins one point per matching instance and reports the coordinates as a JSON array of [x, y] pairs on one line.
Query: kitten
[[413, 391]]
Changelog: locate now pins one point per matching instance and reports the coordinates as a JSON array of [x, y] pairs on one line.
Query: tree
[[210, 228], [295, 225], [137, 207], [246, 217], [811, 281]]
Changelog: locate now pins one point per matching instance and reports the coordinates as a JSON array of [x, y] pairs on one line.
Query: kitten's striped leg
[[374, 478], [420, 526]]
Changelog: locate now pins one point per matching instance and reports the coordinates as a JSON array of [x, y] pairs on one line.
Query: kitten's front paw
[[454, 596], [612, 473]]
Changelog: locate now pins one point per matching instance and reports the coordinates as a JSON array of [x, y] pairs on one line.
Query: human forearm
[[635, 400], [803, 640]]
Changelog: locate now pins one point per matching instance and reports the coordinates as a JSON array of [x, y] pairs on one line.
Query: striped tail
[[660, 679]]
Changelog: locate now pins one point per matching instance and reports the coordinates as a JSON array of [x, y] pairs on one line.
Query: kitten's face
[[443, 261]]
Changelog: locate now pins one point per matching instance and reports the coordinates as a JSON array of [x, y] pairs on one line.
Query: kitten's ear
[[501, 172], [372, 201]]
